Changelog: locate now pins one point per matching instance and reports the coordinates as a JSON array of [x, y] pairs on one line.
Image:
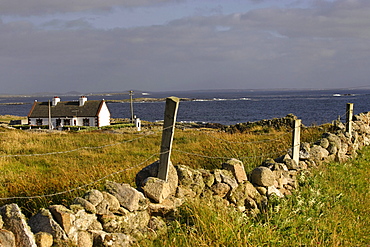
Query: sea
[[227, 107]]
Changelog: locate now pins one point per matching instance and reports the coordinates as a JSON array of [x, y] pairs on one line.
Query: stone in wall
[[43, 222], [44, 239], [190, 179], [318, 154], [126, 223], [87, 206], [156, 189], [127, 196], [94, 197], [152, 171], [7, 238], [102, 238], [262, 176], [108, 205], [237, 168], [15, 221]]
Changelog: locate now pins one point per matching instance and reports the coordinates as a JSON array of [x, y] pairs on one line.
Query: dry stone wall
[[122, 215]]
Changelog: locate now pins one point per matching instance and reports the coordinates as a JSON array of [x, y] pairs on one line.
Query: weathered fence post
[[296, 139], [349, 116], [172, 104]]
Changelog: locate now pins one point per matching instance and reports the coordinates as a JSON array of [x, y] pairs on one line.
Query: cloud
[[42, 7], [319, 47]]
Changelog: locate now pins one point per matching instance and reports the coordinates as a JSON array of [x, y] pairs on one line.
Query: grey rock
[[7, 238], [190, 179], [262, 176], [228, 178], [15, 222], [272, 190], [94, 196], [44, 239], [291, 164], [152, 171], [43, 222], [64, 217], [318, 153], [108, 205], [221, 189], [324, 143], [84, 239], [244, 190], [156, 189], [127, 196], [88, 206], [125, 223], [85, 221], [102, 238], [237, 168], [167, 208]]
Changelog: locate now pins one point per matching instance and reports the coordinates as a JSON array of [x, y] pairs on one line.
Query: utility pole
[[131, 106], [49, 119]]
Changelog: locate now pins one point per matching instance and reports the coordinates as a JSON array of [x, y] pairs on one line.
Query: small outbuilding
[[59, 113]]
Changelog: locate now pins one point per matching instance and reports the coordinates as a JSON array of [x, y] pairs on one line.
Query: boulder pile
[[122, 215]]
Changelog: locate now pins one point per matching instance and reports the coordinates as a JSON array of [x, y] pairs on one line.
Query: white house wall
[[104, 116], [79, 121]]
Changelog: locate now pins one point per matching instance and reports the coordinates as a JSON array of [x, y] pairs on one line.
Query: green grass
[[331, 208]]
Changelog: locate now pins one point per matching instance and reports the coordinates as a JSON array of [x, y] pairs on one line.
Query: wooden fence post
[[349, 116], [172, 104], [296, 140]]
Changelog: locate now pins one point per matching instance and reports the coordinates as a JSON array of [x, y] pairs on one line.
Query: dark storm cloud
[[326, 46]]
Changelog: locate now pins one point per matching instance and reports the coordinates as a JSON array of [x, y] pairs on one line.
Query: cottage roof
[[91, 108]]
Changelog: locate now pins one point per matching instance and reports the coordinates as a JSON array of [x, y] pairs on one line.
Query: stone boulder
[[127, 196], [304, 151], [245, 191], [108, 205], [7, 238], [94, 197], [43, 222], [156, 189], [126, 223], [220, 189], [225, 176], [87, 206], [318, 153], [262, 176], [237, 168], [190, 179], [65, 218], [15, 221], [44, 239], [152, 171], [102, 238]]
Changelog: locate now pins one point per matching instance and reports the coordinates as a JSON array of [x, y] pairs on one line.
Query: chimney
[[82, 100], [55, 101]]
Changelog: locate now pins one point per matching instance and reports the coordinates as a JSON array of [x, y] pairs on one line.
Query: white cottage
[[70, 113]]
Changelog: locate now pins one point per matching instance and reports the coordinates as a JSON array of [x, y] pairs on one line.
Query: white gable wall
[[104, 115]]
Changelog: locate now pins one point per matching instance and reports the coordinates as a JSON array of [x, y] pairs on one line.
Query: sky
[[175, 45]]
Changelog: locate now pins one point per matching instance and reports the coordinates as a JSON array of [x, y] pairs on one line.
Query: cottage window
[[39, 121], [58, 122], [67, 121], [86, 122]]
